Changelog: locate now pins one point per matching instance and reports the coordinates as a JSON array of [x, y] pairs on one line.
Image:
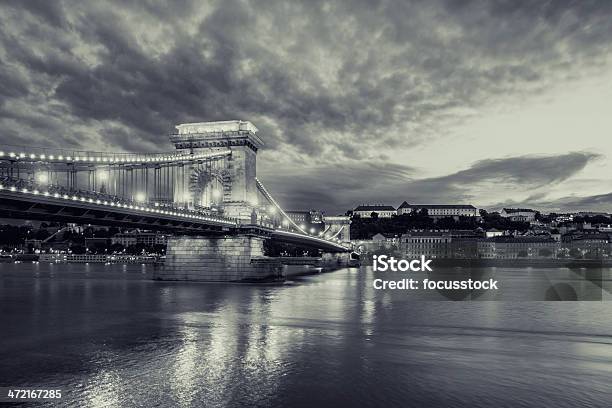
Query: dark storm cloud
[[361, 183], [530, 171], [325, 79], [326, 82], [597, 202], [335, 187], [600, 202]]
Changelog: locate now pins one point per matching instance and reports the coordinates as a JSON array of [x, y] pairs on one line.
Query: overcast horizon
[[486, 103]]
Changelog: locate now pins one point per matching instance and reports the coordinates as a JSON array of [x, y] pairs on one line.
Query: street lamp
[[42, 178], [140, 197]]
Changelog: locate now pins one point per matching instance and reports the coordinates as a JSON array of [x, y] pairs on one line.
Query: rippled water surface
[[110, 336]]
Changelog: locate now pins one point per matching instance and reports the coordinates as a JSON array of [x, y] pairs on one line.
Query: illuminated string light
[[155, 158], [43, 178]]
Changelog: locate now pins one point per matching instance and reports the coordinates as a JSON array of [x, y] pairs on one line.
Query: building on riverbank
[[386, 238], [519, 214], [95, 258], [139, 237], [382, 211], [589, 244], [430, 243], [310, 220], [437, 211], [510, 247]]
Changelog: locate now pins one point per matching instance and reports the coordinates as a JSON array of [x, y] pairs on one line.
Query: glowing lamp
[[42, 178]]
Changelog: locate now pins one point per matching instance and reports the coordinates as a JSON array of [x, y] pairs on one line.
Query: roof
[[214, 127], [514, 210], [374, 208], [464, 233], [577, 236], [426, 233], [518, 240], [462, 206]]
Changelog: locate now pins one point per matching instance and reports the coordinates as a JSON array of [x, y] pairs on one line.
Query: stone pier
[[216, 259], [335, 260]]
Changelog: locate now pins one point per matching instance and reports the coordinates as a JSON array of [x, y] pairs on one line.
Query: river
[[108, 335]]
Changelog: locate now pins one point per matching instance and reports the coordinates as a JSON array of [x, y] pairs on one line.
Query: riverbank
[[81, 258], [525, 262]]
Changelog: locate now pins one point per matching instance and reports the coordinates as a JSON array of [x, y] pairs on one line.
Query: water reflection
[[115, 338]]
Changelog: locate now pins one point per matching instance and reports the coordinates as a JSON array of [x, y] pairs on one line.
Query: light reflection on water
[[109, 336]]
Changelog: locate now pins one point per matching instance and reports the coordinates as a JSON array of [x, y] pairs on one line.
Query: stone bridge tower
[[339, 226], [237, 175]]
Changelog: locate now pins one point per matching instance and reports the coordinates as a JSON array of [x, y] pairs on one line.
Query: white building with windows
[[383, 211], [519, 214], [440, 210]]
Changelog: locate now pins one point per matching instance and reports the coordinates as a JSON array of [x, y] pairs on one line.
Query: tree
[[522, 254], [446, 223], [374, 215], [78, 249], [42, 234], [99, 248], [137, 249], [116, 248], [575, 253]]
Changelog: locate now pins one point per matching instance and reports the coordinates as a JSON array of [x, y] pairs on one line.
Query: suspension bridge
[[205, 193]]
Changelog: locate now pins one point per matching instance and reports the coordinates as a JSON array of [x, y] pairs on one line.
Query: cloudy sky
[[482, 102]]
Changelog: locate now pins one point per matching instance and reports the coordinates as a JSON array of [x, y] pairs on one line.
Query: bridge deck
[[290, 237], [41, 206], [289, 260], [32, 204]]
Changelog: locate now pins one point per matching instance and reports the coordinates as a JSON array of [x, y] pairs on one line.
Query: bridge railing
[[25, 186], [262, 189], [291, 227], [39, 154]]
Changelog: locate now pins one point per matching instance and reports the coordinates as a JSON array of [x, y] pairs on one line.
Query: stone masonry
[[220, 259]]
